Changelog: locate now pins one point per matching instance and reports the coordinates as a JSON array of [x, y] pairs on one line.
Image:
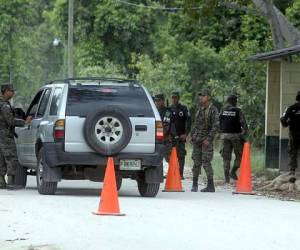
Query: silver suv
[[77, 123]]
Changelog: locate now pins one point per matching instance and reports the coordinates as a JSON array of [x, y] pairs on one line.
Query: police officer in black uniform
[[234, 129], [180, 130], [291, 119]]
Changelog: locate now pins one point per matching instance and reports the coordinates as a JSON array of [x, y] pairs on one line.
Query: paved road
[[169, 221]]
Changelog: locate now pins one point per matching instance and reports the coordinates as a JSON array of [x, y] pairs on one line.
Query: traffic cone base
[[109, 203], [249, 193], [173, 182], [174, 190], [103, 213]]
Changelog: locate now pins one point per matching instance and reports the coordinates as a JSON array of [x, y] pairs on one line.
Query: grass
[[257, 162]]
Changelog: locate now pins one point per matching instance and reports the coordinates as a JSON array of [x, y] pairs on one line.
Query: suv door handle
[[140, 128]]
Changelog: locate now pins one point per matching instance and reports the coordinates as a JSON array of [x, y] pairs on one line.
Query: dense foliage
[[184, 45]]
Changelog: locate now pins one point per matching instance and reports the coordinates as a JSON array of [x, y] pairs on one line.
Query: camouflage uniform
[[291, 119], [206, 126], [8, 152], [233, 129], [180, 125]]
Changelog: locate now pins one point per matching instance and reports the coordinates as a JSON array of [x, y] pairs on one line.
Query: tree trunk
[[282, 30]]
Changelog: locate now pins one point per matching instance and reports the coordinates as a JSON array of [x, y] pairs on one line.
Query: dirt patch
[[259, 182], [277, 194]]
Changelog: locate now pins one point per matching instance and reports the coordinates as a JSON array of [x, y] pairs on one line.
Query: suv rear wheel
[[21, 176], [44, 187], [148, 189]]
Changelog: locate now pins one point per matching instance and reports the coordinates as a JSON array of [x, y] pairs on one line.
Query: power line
[[156, 7]]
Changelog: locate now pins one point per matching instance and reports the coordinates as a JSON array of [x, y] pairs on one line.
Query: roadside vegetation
[[165, 44]]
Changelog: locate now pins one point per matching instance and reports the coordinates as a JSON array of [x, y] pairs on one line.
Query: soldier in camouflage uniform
[[180, 128], [8, 153], [291, 119], [205, 128], [233, 128]]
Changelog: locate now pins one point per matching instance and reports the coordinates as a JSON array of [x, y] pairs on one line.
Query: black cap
[[159, 97], [5, 87], [298, 96], [232, 99], [175, 93], [205, 92]]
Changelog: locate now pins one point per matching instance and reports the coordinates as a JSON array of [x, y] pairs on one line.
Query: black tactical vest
[[230, 121], [179, 115], [294, 117]]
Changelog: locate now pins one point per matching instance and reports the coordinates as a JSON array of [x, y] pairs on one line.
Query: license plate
[[130, 164]]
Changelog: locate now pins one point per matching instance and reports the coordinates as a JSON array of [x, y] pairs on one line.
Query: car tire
[[21, 176], [108, 130], [44, 187], [148, 189]]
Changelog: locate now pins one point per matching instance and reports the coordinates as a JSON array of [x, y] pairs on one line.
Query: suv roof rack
[[69, 80]]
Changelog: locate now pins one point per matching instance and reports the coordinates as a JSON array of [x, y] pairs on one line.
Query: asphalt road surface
[[170, 221]]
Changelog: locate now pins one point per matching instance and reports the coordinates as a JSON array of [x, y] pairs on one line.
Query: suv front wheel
[[44, 187]]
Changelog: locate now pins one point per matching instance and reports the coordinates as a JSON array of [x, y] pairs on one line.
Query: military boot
[[11, 185], [2, 182], [195, 185], [227, 177], [233, 173], [210, 186]]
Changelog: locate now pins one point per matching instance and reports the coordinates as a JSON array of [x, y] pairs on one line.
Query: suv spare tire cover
[[108, 130]]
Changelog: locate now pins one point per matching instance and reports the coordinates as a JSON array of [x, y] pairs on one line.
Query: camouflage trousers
[[181, 152], [202, 156], [229, 145], [294, 149], [8, 157]]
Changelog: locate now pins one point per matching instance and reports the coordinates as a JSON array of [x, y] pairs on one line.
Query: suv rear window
[[85, 99]]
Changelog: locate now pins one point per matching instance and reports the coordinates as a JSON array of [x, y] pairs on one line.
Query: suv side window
[[43, 103], [55, 101], [34, 104]]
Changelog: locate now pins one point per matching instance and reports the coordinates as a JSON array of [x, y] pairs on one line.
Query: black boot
[[227, 177], [210, 186], [11, 183], [195, 185], [233, 173], [2, 182]]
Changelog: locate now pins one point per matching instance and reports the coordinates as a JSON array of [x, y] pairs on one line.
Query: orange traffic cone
[[244, 182], [109, 204], [173, 182]]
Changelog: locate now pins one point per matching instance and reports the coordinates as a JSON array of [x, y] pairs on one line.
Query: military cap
[[5, 87], [175, 93], [159, 97], [205, 92]]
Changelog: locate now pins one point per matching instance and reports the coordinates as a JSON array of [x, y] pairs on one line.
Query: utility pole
[[70, 39]]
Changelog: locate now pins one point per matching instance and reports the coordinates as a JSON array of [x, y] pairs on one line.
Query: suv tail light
[[59, 130], [159, 131]]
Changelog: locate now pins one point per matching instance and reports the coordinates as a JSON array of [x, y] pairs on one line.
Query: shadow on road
[[85, 192]]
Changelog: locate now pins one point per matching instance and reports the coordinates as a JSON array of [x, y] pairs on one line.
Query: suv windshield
[[83, 99]]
